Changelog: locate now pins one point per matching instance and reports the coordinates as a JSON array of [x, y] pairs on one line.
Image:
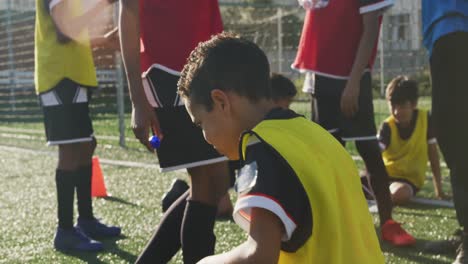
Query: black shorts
[[66, 113], [183, 145], [327, 110]]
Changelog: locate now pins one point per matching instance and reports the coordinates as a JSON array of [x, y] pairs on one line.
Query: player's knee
[[209, 183], [90, 147], [400, 193], [68, 157]]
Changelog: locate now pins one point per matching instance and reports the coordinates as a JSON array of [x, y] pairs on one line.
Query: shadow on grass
[[416, 253], [118, 200], [110, 247]]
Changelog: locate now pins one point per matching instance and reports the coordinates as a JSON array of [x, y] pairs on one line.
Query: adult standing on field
[[337, 56], [157, 37], [64, 78], [445, 29]]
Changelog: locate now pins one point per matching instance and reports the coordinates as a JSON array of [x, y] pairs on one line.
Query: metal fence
[[276, 28]]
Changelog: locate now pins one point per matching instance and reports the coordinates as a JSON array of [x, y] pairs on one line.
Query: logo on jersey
[[246, 178]]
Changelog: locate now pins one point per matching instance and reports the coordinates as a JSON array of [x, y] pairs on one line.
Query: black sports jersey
[[277, 188]]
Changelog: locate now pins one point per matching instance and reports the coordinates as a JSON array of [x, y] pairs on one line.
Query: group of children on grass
[[210, 97]]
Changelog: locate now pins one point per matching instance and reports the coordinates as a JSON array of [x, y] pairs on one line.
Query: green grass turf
[[28, 202]]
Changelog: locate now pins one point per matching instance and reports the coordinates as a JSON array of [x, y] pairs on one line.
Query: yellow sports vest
[[407, 159], [343, 230], [55, 61]]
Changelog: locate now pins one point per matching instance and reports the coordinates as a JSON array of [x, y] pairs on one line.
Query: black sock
[[166, 240], [378, 177], [65, 193], [198, 239], [83, 192]]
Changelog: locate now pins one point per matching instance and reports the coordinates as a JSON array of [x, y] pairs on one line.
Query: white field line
[[41, 133], [123, 163], [372, 206], [42, 137]]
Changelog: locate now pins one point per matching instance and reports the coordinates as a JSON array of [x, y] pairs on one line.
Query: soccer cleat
[[73, 239], [462, 251], [95, 229], [396, 235], [178, 187]]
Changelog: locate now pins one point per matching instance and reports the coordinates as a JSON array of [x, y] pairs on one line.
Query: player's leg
[[83, 180], [449, 94], [461, 180], [325, 104], [378, 177], [165, 241], [183, 146], [401, 192], [60, 105], [209, 184], [179, 187], [197, 224], [361, 128], [68, 156], [87, 223]]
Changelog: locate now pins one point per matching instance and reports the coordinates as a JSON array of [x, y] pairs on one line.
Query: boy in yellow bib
[[299, 193], [64, 77], [407, 140]]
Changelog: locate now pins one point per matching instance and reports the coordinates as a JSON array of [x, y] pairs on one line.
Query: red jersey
[[330, 37], [171, 29]]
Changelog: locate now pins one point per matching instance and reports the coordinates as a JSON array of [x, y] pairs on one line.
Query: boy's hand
[[350, 98], [143, 119]]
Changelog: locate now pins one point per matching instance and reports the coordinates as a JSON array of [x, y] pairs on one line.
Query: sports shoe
[[73, 239], [462, 251], [178, 187], [447, 246], [95, 229], [393, 233]]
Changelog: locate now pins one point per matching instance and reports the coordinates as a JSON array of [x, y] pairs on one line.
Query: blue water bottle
[[154, 141]]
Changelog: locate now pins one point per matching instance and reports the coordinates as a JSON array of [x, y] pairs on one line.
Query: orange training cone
[[98, 187]]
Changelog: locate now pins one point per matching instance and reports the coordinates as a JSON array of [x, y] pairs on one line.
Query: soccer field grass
[[28, 202]]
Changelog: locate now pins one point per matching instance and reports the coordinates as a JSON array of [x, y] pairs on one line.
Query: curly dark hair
[[229, 63]]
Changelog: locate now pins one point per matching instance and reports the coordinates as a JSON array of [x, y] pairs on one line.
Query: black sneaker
[[178, 187], [74, 239], [445, 247], [95, 229], [462, 251]]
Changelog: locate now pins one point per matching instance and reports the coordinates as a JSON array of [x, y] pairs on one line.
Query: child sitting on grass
[[299, 195], [407, 140]]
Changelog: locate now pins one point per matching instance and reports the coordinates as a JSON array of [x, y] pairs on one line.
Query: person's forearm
[[71, 26], [366, 45], [235, 256], [129, 30], [435, 166], [242, 254], [103, 40]]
